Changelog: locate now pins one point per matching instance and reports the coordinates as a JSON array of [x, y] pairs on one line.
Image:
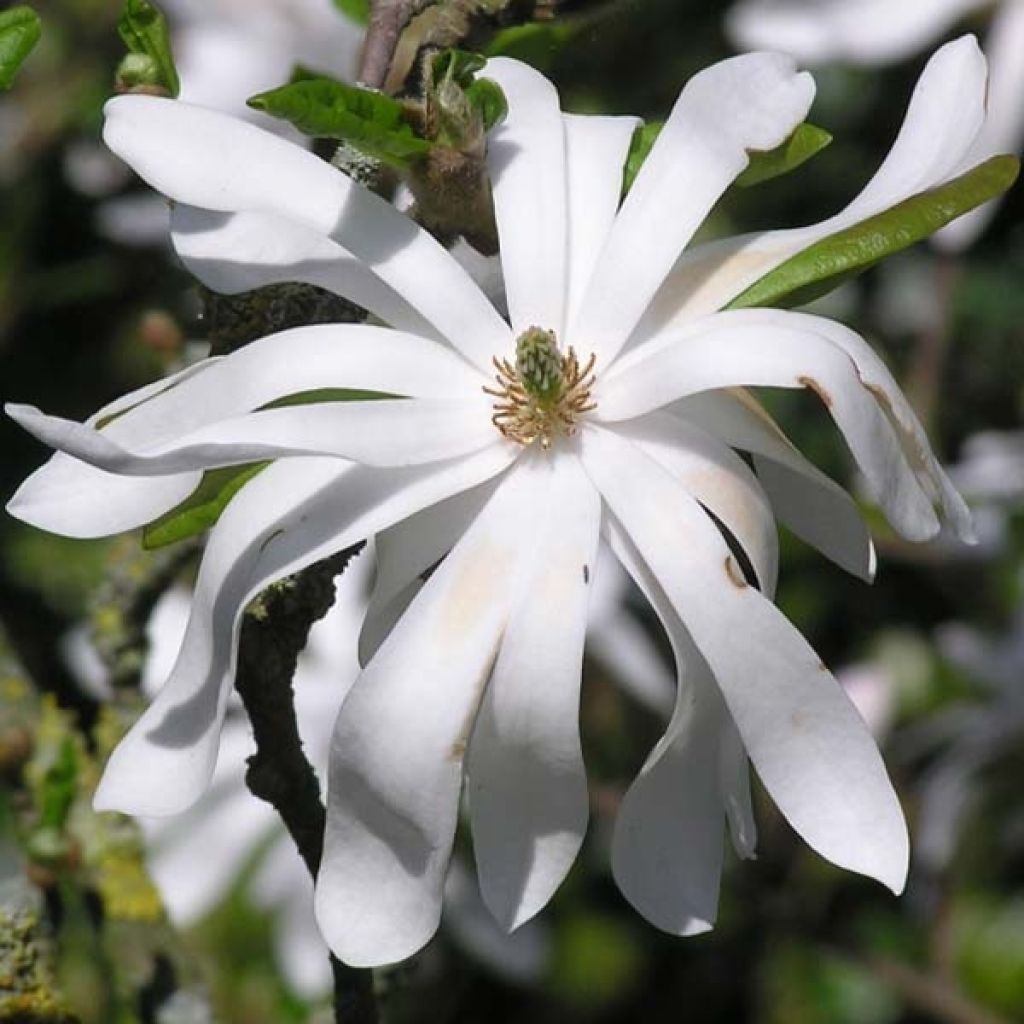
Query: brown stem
[[272, 637], [928, 361]]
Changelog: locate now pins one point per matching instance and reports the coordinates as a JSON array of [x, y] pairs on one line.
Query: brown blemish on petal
[[733, 571], [468, 593], [816, 387], [457, 751]]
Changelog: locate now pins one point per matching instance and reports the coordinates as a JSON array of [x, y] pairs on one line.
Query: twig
[[387, 20], [931, 994], [928, 360], [273, 635]]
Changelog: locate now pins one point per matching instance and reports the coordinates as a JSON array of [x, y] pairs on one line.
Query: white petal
[[808, 744], [670, 827], [942, 123], [294, 361], [719, 479], [812, 505], [858, 31], [595, 149], [522, 958], [526, 160], [1003, 131], [396, 757], [747, 103], [734, 778], [400, 432], [196, 862], [771, 348], [293, 513], [913, 440], [527, 783], [407, 551], [621, 644], [207, 159], [415, 545], [381, 619], [236, 252], [74, 499]]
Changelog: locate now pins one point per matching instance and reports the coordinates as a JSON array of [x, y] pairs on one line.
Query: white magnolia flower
[[876, 32], [613, 424]]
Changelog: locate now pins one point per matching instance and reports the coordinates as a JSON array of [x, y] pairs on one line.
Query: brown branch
[[273, 635], [388, 19]]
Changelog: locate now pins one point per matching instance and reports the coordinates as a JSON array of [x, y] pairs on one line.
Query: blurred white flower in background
[[969, 736], [873, 32], [229, 50]]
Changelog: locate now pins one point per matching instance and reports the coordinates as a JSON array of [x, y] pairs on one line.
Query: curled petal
[[942, 123], [808, 743], [380, 433], [776, 349], [803, 498]]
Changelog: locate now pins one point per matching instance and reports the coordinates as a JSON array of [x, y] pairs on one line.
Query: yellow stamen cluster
[[543, 395]]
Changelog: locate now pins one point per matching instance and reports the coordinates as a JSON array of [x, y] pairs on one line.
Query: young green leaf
[[19, 32], [826, 264], [459, 65], [355, 10], [642, 143], [370, 121], [808, 140], [488, 98], [144, 30]]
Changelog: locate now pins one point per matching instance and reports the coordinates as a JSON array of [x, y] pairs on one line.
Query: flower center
[[544, 394]]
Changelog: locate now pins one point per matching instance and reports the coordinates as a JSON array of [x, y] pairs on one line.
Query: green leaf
[[538, 43], [329, 395], [370, 121], [459, 65], [643, 141], [806, 141], [60, 785], [143, 28], [355, 10], [826, 264], [20, 29], [489, 98], [204, 506]]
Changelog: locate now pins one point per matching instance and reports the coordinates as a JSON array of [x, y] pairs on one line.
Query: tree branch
[[274, 633]]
